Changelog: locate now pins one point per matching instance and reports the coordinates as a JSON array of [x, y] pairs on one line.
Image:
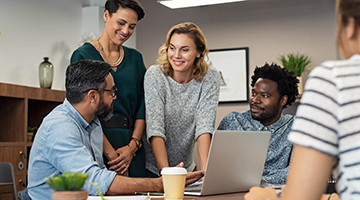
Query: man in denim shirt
[[70, 138], [273, 88]]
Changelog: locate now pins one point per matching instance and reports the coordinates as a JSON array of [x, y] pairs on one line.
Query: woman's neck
[[107, 44], [183, 78]]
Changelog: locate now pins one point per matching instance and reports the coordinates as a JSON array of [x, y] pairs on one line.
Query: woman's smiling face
[[182, 53], [120, 25]]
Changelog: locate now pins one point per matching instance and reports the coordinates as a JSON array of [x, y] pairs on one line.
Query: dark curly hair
[[287, 83]]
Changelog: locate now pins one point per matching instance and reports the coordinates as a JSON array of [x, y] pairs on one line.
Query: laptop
[[235, 163]]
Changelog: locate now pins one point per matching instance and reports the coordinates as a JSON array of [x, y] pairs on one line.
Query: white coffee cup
[[174, 179]]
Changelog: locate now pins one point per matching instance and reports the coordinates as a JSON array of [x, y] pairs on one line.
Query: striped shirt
[[328, 119]]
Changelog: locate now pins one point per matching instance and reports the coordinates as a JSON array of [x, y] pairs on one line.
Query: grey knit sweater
[[179, 113]]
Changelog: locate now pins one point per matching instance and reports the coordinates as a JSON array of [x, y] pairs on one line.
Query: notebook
[[235, 163]]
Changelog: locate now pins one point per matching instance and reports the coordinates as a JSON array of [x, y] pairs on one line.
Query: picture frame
[[233, 65]]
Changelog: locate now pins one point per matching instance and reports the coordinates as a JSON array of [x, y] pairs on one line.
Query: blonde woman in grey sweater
[[181, 98]]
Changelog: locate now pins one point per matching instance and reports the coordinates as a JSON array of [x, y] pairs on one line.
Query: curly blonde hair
[[200, 66]]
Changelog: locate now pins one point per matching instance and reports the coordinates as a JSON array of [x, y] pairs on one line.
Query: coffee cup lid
[[173, 170]]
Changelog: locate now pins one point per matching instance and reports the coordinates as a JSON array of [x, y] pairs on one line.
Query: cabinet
[[21, 107]]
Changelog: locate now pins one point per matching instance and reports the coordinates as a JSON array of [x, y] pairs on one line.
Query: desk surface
[[237, 196]]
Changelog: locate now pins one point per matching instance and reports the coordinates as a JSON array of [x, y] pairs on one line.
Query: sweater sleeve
[[208, 103], [154, 103]]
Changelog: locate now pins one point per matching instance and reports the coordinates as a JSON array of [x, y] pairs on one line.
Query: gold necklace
[[105, 58]]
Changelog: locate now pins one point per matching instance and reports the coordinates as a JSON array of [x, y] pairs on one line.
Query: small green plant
[[97, 187], [69, 181], [295, 62], [31, 129]]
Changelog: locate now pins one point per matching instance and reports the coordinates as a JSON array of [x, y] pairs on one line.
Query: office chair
[[7, 175]]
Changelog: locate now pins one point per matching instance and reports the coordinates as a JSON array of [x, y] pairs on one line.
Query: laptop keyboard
[[193, 189]]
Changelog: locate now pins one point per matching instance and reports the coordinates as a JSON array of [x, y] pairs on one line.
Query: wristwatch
[[137, 142]]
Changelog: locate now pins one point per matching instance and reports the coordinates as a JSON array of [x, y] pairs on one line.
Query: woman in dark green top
[[125, 129]]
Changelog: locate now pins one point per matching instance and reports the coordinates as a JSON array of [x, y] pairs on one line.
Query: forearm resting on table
[[159, 151], [126, 185], [203, 146], [109, 151]]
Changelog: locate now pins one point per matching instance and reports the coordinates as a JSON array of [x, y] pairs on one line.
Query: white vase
[[300, 85], [69, 195]]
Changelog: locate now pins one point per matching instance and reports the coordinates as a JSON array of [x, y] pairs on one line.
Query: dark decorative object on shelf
[[46, 73]]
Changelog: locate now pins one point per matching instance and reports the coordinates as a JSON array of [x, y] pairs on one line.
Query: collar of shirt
[[273, 127], [76, 115]]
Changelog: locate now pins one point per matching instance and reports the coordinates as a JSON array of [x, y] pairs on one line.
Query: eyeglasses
[[113, 91]]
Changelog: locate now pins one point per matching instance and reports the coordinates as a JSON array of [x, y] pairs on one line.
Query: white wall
[[31, 30], [268, 28], [92, 21]]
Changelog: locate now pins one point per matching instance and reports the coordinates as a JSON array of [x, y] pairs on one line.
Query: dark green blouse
[[128, 78]]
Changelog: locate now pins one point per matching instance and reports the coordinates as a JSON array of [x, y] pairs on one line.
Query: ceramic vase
[[46, 73], [300, 85], [69, 195]]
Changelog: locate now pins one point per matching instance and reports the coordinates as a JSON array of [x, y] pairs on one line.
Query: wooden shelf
[[21, 107]]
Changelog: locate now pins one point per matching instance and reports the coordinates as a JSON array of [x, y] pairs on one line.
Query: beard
[[266, 115], [104, 111]]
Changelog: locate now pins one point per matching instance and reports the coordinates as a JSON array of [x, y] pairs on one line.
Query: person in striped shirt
[[326, 131]]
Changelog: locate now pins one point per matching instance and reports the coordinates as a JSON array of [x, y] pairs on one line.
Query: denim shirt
[[66, 142], [280, 149]]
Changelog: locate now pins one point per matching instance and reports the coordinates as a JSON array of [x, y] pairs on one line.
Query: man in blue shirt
[[273, 88], [70, 138]]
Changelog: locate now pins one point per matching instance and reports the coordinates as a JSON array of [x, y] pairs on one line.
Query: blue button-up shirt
[[279, 153], [66, 142]]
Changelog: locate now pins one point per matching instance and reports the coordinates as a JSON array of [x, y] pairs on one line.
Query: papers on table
[[120, 197]]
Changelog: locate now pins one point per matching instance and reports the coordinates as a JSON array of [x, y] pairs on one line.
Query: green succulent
[[67, 181], [295, 62], [31, 129]]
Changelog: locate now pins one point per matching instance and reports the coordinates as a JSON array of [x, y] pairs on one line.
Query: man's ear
[[283, 100], [92, 96]]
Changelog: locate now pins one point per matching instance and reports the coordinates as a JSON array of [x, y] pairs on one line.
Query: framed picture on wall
[[233, 65]]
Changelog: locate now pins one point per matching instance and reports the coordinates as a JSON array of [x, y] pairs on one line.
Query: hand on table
[[121, 164], [257, 193], [191, 177]]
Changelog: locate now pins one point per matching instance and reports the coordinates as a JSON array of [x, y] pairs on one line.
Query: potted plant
[[31, 131], [296, 63], [68, 186]]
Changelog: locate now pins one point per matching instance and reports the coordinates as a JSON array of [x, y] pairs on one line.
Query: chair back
[[7, 175]]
